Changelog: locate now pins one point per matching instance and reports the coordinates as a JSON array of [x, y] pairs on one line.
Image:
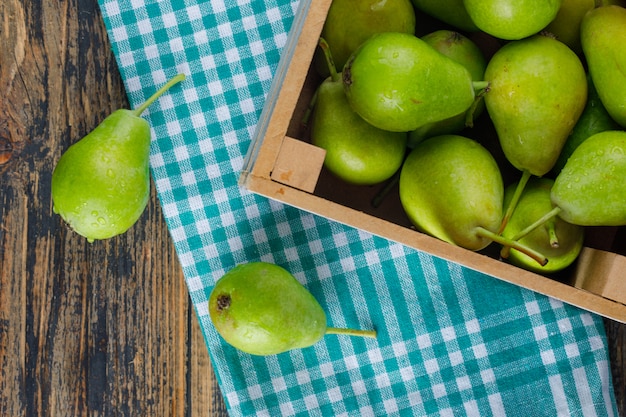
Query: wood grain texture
[[102, 329], [616, 335]]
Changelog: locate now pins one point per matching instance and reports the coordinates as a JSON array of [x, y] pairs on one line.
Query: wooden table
[[102, 329]]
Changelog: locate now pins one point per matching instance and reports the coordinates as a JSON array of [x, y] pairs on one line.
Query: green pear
[[594, 119], [591, 190], [451, 188], [451, 12], [464, 51], [566, 24], [349, 23], [101, 184], [261, 309], [537, 92], [512, 19], [397, 82], [356, 151], [603, 38], [559, 241]]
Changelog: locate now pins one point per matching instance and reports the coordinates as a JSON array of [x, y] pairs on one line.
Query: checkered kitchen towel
[[451, 341]]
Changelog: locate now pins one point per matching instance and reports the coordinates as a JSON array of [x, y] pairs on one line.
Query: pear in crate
[[537, 92], [101, 184], [451, 188], [356, 151], [349, 23], [603, 36], [594, 119], [397, 82], [559, 241], [591, 188], [261, 309], [451, 12], [512, 19], [566, 24], [464, 51]]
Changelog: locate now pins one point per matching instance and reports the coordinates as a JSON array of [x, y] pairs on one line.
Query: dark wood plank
[[616, 335], [85, 329]]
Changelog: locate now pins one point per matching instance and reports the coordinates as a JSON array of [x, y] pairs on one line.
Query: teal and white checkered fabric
[[451, 341]]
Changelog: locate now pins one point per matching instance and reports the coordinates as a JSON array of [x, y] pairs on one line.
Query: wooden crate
[[283, 165]]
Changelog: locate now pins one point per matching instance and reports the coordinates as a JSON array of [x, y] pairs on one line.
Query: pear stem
[[352, 332], [542, 220], [554, 239], [480, 85], [178, 78], [516, 196], [540, 258], [309, 110], [554, 242], [334, 75], [469, 115]]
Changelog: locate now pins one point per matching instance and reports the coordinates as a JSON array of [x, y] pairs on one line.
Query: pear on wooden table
[[261, 309], [603, 36], [349, 23], [559, 241], [451, 188], [101, 184]]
